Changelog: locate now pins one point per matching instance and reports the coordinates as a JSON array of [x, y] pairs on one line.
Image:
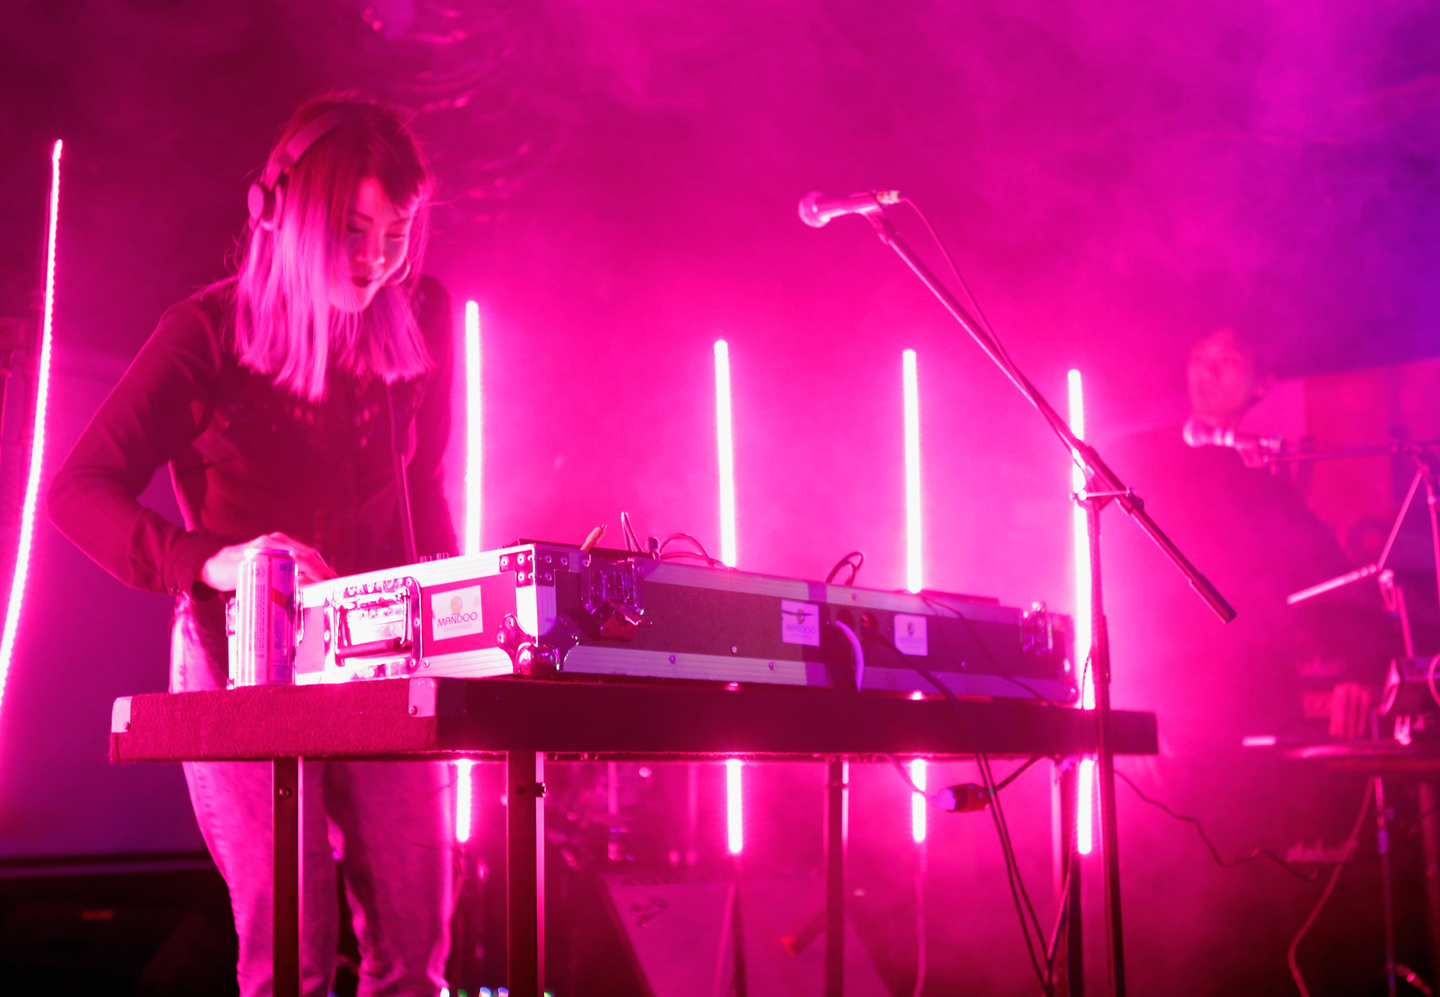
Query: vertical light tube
[[725, 446], [734, 806], [474, 439], [1081, 537], [1085, 808], [1085, 783], [917, 801], [913, 568], [464, 798], [37, 439]]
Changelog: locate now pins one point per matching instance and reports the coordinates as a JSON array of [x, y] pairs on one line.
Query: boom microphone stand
[[1102, 486]]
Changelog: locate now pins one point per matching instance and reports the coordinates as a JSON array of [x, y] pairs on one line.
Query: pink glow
[[734, 806], [917, 801], [725, 446], [464, 798], [37, 440], [474, 439], [1085, 807], [910, 379], [917, 695], [1081, 550]]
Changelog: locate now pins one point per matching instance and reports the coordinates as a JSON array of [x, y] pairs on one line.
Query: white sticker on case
[[455, 613], [910, 635], [799, 623]]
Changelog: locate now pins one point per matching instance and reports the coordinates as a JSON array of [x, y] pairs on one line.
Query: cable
[[699, 553], [1018, 893], [632, 542], [985, 322], [1017, 773], [1430, 679], [1215, 852], [935, 602], [997, 349], [1350, 843], [854, 564]]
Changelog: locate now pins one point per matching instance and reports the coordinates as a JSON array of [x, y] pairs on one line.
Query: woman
[[302, 404]]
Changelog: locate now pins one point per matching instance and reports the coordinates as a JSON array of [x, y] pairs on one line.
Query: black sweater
[[247, 457]]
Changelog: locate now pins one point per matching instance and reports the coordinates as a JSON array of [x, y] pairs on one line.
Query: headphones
[[267, 195]]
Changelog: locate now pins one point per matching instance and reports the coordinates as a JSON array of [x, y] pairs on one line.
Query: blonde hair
[[285, 324]]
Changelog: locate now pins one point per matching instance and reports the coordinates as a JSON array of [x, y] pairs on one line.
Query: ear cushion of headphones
[[264, 204]]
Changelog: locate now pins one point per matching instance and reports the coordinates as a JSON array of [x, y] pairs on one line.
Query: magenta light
[[913, 572], [734, 806], [1085, 807], [1082, 549], [725, 446], [917, 801], [474, 439], [37, 440], [464, 798], [1084, 811]]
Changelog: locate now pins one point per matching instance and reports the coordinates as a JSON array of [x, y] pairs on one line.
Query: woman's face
[[377, 235]]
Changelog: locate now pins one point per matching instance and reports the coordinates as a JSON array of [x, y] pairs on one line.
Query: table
[[1380, 760], [524, 722]]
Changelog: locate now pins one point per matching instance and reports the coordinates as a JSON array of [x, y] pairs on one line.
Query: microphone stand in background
[[1102, 487], [1427, 472]]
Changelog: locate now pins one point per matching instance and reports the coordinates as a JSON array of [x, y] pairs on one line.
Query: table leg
[[1430, 831], [835, 835], [525, 871], [1069, 948], [285, 910], [1382, 845]]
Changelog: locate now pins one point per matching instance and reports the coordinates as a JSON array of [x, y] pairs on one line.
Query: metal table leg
[[835, 835], [1382, 845], [285, 910], [1430, 830], [525, 871], [1069, 947]]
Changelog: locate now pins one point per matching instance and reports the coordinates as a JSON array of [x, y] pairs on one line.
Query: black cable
[[935, 602], [1215, 852], [855, 566], [1018, 892], [1002, 357], [699, 552], [1016, 774]]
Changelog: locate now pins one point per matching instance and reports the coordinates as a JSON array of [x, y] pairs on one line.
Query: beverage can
[[261, 620]]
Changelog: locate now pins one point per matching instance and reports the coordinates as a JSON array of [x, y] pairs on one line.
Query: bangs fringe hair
[[285, 324]]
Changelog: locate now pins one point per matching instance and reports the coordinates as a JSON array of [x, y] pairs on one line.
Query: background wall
[[618, 189]]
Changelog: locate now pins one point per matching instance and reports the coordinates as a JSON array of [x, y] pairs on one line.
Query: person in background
[[302, 404], [1276, 671]]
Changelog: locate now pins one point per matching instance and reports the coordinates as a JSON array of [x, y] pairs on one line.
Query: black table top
[[397, 718]]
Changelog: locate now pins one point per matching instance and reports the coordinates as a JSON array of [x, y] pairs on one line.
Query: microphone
[[1253, 449], [817, 210]]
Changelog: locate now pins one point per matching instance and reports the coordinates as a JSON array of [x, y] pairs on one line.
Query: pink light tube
[[464, 798], [1085, 807], [1082, 550], [37, 440], [734, 806], [913, 573], [474, 438], [917, 801], [725, 445]]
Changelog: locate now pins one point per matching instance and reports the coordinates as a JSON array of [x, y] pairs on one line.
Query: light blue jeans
[[388, 825]]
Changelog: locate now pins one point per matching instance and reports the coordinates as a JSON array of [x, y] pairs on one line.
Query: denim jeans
[[387, 825]]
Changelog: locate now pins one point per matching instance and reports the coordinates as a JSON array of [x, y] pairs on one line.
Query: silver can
[[261, 621]]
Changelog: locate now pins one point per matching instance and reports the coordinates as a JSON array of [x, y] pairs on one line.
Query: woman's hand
[[222, 571]]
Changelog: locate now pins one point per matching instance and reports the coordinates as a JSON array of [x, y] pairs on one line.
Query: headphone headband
[[263, 200]]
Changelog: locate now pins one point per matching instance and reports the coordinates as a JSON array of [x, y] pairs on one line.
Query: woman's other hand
[[222, 571]]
